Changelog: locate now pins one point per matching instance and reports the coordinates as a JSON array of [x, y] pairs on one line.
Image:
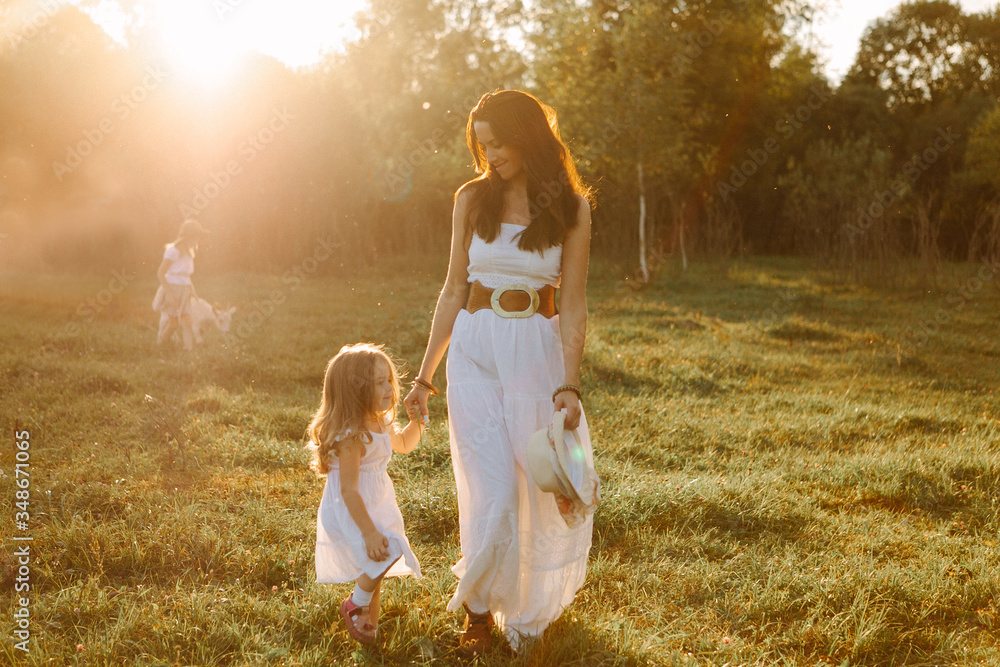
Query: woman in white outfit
[[519, 230]]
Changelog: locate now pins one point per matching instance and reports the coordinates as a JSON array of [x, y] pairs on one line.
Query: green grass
[[791, 474]]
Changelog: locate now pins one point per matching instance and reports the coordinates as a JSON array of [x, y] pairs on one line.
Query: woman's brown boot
[[475, 637]]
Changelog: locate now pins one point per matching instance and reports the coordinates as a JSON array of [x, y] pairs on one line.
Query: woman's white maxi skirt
[[519, 558]]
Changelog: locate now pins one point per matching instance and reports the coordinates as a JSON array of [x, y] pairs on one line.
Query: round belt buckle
[[527, 312]]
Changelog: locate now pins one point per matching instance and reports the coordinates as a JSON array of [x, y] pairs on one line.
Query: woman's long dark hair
[[520, 120]]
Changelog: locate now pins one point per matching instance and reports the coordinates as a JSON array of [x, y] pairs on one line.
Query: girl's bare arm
[[349, 456], [406, 439]]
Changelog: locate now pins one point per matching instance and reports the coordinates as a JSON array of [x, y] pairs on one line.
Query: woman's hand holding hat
[[569, 402]]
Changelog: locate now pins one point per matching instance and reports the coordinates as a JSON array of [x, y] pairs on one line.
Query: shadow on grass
[[572, 642], [688, 382], [568, 641], [631, 384], [950, 492], [725, 517], [925, 425], [804, 332], [748, 524]]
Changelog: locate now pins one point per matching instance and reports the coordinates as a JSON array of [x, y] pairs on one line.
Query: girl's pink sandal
[[350, 612]]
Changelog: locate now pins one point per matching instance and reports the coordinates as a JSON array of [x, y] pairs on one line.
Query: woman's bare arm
[[573, 309], [161, 273], [452, 299]]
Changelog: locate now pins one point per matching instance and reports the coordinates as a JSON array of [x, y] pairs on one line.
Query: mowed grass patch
[[795, 472]]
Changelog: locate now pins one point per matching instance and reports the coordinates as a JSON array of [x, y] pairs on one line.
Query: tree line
[[707, 127]]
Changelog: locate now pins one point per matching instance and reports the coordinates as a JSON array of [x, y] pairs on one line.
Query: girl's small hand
[[413, 412], [377, 546], [416, 404], [570, 402]]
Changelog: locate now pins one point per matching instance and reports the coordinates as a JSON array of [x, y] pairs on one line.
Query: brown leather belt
[[513, 300]]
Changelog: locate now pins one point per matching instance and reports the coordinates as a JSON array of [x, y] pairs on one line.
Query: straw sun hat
[[558, 464]]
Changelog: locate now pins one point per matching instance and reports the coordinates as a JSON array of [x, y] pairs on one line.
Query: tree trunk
[[927, 228], [681, 223], [643, 267]]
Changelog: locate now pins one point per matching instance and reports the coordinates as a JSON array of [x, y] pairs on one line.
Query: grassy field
[[795, 473]]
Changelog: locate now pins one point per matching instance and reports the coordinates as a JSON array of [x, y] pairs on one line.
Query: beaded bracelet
[[417, 382], [567, 387]]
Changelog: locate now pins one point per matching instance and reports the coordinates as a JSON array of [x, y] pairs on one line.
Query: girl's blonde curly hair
[[350, 401]]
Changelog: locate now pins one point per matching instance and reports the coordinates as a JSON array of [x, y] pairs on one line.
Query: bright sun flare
[[199, 45], [205, 40]]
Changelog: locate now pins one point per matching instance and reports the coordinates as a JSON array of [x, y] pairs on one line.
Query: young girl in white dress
[[519, 231], [359, 529], [176, 291]]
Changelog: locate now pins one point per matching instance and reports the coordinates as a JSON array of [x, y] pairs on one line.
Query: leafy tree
[[921, 54], [982, 159], [607, 68], [692, 86], [979, 182], [983, 56], [414, 75], [936, 68]]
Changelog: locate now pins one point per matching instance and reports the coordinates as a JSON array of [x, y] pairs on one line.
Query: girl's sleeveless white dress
[[340, 548], [519, 558]]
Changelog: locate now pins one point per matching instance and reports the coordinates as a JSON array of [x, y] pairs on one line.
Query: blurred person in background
[[176, 292]]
